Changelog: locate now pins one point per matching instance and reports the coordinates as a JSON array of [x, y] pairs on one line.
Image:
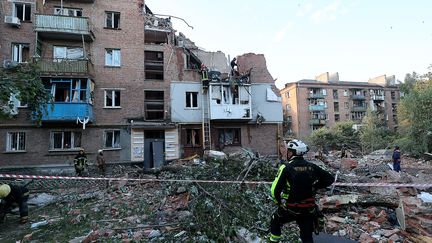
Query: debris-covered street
[[146, 211]]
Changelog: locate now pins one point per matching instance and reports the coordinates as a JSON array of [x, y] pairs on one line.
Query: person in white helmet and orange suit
[[12, 195], [294, 189]]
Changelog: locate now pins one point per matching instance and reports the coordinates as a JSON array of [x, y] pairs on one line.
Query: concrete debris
[[213, 154], [179, 212]]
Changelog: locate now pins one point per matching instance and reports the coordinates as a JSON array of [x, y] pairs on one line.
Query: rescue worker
[[233, 64], [80, 162], [11, 195], [294, 189], [204, 76], [100, 160], [396, 159], [344, 151]]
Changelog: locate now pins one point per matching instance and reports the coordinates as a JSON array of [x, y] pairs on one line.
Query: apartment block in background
[[312, 104]]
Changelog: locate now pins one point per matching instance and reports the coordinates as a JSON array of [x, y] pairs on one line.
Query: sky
[[300, 39]]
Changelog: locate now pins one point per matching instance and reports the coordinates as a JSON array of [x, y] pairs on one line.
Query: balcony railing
[[358, 97], [231, 112], [59, 67], [63, 27], [378, 97], [316, 107], [316, 96], [68, 112], [316, 122], [359, 108]]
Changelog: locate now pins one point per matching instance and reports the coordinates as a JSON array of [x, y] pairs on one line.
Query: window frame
[[73, 140], [60, 11], [223, 132], [21, 135], [113, 91], [190, 95], [113, 144], [24, 6], [20, 47], [188, 136], [154, 102], [113, 14], [112, 59]]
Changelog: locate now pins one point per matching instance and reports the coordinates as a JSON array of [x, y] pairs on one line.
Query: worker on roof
[[12, 195], [294, 189]]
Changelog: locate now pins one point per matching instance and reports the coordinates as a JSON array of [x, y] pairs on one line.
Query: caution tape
[[345, 184]]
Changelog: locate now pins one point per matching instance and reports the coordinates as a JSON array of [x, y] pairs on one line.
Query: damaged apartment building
[[312, 104], [121, 80]]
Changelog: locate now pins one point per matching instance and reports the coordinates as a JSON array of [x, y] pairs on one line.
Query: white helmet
[[297, 146]]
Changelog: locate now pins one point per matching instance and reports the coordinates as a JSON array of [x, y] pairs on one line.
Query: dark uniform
[[293, 190], [18, 195], [80, 163]]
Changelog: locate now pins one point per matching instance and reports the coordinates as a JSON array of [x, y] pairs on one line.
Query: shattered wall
[[258, 64]]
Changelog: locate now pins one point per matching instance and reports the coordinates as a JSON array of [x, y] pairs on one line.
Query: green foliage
[[335, 137], [409, 82], [374, 133], [24, 81], [415, 117]]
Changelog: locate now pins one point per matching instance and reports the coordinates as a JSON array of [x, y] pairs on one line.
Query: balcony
[[65, 67], [63, 27], [68, 112], [231, 112], [316, 107], [315, 96], [378, 97], [359, 108], [358, 97], [316, 122]]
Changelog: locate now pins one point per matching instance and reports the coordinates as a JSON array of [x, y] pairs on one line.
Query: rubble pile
[[170, 211]]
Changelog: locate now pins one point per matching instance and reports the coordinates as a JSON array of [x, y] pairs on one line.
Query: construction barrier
[[380, 184]]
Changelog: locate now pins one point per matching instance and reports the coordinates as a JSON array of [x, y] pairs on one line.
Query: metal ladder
[[206, 119]]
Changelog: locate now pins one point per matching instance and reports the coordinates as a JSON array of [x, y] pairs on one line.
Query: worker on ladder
[[204, 76]]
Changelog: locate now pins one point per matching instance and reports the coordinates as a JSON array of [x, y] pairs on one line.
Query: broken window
[[20, 52], [15, 141], [393, 95], [337, 117], [244, 95], [216, 94], [155, 37], [154, 65], [69, 90], [72, 12], [346, 105], [112, 98], [154, 105], [112, 139], [113, 57], [229, 136], [193, 138], [191, 99], [23, 11], [65, 140], [287, 94], [112, 20]]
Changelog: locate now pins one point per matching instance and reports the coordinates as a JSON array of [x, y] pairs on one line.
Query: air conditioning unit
[[15, 21], [9, 64]]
